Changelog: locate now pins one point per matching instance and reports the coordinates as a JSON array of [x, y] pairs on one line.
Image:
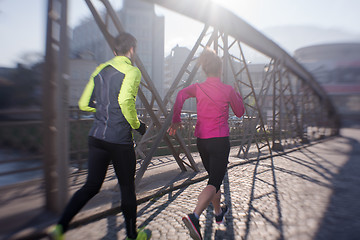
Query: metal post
[[277, 96], [149, 85], [226, 79], [55, 107]]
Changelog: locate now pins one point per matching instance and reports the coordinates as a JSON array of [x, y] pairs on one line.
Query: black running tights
[[214, 153], [124, 162]]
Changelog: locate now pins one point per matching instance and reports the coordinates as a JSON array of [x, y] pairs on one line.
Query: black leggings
[[124, 162], [214, 153]]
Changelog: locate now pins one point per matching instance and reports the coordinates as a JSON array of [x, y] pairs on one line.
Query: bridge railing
[[284, 104], [21, 142]]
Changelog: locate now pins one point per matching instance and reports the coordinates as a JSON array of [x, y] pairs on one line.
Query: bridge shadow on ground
[[150, 206], [227, 230], [340, 221], [342, 217], [264, 178]]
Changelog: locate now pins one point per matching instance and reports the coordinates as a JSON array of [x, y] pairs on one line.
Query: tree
[[5, 92], [26, 84]]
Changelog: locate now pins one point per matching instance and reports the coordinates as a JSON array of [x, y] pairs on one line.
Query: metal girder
[[291, 111], [148, 106], [162, 131], [220, 18], [222, 22], [168, 96], [304, 107], [253, 110], [184, 67], [55, 113], [277, 97]]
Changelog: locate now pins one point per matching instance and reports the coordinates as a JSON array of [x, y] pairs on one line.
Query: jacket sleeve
[[86, 102], [181, 97], [236, 103], [127, 97]]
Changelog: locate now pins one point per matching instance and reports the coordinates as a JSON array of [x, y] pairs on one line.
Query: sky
[[22, 22]]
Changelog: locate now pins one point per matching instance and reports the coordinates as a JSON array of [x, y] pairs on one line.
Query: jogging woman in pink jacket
[[212, 131]]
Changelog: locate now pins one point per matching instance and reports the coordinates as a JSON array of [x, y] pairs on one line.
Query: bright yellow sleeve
[[85, 98], [127, 96], [84, 101]]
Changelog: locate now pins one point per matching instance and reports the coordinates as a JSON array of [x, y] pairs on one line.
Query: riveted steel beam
[[148, 105], [55, 115], [220, 18]]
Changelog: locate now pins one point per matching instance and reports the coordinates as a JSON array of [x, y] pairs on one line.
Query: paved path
[[312, 193]]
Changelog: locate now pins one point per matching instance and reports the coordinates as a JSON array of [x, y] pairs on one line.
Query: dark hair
[[210, 62], [124, 42]]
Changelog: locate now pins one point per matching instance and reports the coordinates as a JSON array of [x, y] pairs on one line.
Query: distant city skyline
[[25, 30]]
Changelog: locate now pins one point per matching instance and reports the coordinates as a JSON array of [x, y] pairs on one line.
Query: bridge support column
[[56, 137]]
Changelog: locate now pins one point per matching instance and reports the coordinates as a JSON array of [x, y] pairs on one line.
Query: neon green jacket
[[111, 94]]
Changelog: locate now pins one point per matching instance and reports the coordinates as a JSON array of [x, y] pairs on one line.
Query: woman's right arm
[[236, 103], [181, 97], [87, 99], [86, 103]]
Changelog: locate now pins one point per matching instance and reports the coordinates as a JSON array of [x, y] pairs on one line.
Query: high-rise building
[[137, 18]]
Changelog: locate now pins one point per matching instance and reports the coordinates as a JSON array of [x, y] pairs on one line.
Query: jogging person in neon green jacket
[[111, 94]]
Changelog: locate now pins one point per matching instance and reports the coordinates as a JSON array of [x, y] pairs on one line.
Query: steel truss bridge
[[288, 107]]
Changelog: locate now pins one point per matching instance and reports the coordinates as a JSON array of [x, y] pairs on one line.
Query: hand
[[142, 128], [173, 128]]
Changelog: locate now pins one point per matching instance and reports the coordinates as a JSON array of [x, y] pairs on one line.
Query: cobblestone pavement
[[312, 193]]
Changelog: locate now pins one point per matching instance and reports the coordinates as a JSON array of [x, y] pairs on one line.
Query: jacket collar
[[213, 79], [121, 59]]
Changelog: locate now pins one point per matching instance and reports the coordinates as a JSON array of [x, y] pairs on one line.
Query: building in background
[[173, 63], [137, 18], [80, 69], [336, 67]]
